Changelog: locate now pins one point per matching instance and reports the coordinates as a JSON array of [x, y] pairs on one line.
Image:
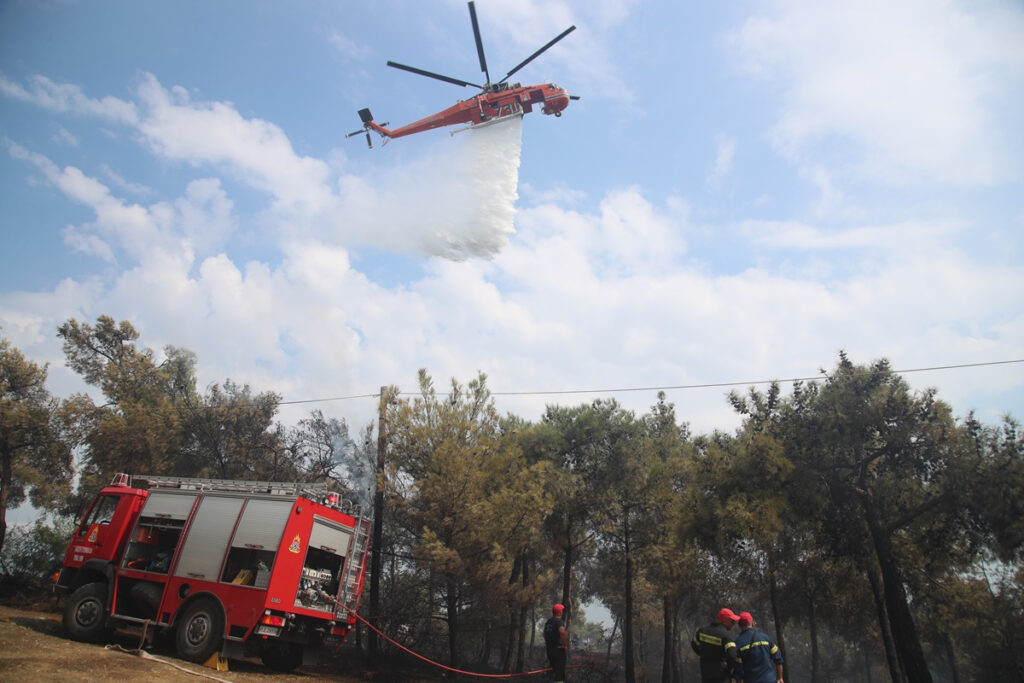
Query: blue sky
[[743, 190]]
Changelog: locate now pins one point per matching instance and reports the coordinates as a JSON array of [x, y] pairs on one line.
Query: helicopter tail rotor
[[368, 125], [366, 117]]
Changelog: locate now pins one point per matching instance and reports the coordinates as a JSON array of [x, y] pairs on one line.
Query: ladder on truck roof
[[274, 488], [348, 596]]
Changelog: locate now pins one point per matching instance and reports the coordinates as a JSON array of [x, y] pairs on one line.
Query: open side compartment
[[322, 566], [153, 543]]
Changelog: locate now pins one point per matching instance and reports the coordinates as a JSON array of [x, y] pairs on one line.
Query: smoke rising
[[456, 202]]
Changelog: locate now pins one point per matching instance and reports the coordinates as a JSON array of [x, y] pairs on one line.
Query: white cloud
[[128, 225], [907, 236], [64, 136], [201, 219], [725, 152], [911, 86], [204, 215], [347, 48], [120, 183], [215, 133], [66, 97]]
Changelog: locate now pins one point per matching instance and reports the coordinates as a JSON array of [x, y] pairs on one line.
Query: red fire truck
[[235, 567]]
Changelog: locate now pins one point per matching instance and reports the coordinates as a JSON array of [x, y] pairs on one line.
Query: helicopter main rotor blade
[[538, 53], [479, 41], [431, 74]]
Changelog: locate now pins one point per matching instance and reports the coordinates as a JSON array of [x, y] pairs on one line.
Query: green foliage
[[997, 505], [861, 469], [231, 434], [461, 488], [33, 551], [155, 421], [138, 429], [35, 437]]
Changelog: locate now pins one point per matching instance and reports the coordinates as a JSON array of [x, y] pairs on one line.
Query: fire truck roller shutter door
[[329, 536], [262, 524], [168, 504], [256, 541], [208, 537]]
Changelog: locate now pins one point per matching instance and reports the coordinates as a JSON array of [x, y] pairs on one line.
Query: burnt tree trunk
[[452, 605], [627, 629], [891, 658], [513, 632], [524, 611], [908, 644], [670, 670], [773, 594], [812, 624]]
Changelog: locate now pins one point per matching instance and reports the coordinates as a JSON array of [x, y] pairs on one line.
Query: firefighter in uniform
[[762, 660], [556, 642], [714, 645]]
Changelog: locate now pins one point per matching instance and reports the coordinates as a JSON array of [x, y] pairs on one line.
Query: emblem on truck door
[[294, 547]]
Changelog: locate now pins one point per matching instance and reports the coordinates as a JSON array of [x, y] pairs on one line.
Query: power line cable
[[676, 387]]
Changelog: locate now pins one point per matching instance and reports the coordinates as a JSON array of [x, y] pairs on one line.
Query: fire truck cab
[[236, 567]]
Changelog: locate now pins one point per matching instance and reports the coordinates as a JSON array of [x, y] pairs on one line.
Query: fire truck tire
[[200, 630], [85, 613], [281, 656]]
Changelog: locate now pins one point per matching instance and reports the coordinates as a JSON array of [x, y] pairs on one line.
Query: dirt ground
[[33, 648]]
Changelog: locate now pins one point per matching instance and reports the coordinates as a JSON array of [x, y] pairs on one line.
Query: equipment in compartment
[[315, 589], [153, 544]]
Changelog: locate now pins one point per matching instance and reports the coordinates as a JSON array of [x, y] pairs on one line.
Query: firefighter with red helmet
[[714, 645], [762, 660], [556, 642]]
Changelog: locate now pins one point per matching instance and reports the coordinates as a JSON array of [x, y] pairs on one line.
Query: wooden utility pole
[[378, 525]]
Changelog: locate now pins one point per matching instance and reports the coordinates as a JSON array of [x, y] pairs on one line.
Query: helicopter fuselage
[[514, 100]]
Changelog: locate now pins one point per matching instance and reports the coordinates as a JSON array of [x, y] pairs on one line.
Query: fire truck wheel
[[200, 630], [85, 613], [281, 656]]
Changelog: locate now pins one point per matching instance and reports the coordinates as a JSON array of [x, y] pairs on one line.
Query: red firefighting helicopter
[[496, 102]]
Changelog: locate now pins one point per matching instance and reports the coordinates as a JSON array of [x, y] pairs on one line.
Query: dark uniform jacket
[[552, 637], [759, 655], [717, 652], [557, 655]]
